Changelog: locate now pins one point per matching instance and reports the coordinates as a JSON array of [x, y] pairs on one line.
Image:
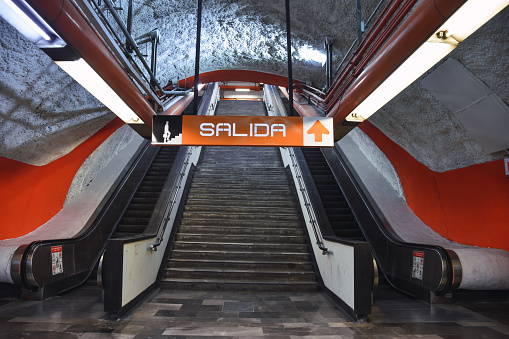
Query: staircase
[[240, 228], [338, 212]]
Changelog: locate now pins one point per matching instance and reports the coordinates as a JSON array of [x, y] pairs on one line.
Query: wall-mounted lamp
[[242, 90], [472, 15]]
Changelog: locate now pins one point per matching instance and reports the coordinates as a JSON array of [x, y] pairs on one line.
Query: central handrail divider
[[307, 202], [132, 267], [345, 266]]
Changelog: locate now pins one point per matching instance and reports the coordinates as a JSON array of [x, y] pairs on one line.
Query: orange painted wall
[[468, 205], [32, 195]]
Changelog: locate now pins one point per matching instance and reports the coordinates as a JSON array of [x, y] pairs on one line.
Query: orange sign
[[242, 131]]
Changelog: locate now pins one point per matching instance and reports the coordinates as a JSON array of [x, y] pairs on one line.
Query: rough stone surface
[[246, 34], [100, 158], [44, 113], [376, 157]]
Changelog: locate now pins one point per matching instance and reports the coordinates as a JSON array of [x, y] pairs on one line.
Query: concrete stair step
[[226, 231], [239, 255], [229, 285], [240, 264], [261, 217], [191, 201], [266, 186], [240, 247], [246, 238], [239, 274], [245, 195], [254, 223], [239, 191], [240, 209]]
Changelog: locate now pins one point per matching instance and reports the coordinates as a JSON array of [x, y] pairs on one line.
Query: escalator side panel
[[394, 257], [80, 254]]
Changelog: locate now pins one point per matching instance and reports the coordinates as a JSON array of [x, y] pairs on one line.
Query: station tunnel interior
[[440, 145]]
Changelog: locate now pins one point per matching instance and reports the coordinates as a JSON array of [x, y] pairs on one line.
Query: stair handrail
[[275, 108], [179, 184], [386, 23], [307, 202]]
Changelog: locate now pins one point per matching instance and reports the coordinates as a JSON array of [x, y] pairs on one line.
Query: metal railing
[[179, 184], [307, 202]]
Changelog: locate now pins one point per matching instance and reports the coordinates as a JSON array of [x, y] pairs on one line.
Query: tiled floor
[[201, 314]]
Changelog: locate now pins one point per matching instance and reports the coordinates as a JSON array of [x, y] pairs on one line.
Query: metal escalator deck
[[338, 212], [137, 215]]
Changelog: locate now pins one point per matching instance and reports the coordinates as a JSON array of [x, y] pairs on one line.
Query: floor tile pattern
[[227, 315]]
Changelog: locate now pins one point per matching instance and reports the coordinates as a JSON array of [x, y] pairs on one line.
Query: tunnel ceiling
[[44, 113], [247, 34]]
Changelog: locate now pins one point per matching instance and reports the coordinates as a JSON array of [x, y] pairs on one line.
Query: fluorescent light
[[22, 17], [472, 15], [418, 63], [242, 90], [85, 75]]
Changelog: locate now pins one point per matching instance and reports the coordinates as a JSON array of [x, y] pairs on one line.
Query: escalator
[[353, 216], [137, 215], [124, 215], [346, 213], [339, 214]]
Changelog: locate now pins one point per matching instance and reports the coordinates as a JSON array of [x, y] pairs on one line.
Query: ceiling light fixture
[[22, 17], [85, 75], [472, 15]]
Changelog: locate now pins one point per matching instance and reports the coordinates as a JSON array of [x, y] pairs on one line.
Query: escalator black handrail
[[323, 222], [26, 263], [383, 225]]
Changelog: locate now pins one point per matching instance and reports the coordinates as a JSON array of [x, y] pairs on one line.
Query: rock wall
[[101, 157]]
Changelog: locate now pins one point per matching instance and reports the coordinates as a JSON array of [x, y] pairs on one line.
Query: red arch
[[238, 75]]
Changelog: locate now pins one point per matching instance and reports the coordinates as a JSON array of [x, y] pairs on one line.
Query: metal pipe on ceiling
[[289, 50], [134, 46], [197, 59]]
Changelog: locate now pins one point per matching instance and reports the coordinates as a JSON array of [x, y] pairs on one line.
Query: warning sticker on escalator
[[418, 265], [57, 266], [242, 131]]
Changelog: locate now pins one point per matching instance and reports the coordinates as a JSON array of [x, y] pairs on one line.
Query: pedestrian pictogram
[[242, 131]]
